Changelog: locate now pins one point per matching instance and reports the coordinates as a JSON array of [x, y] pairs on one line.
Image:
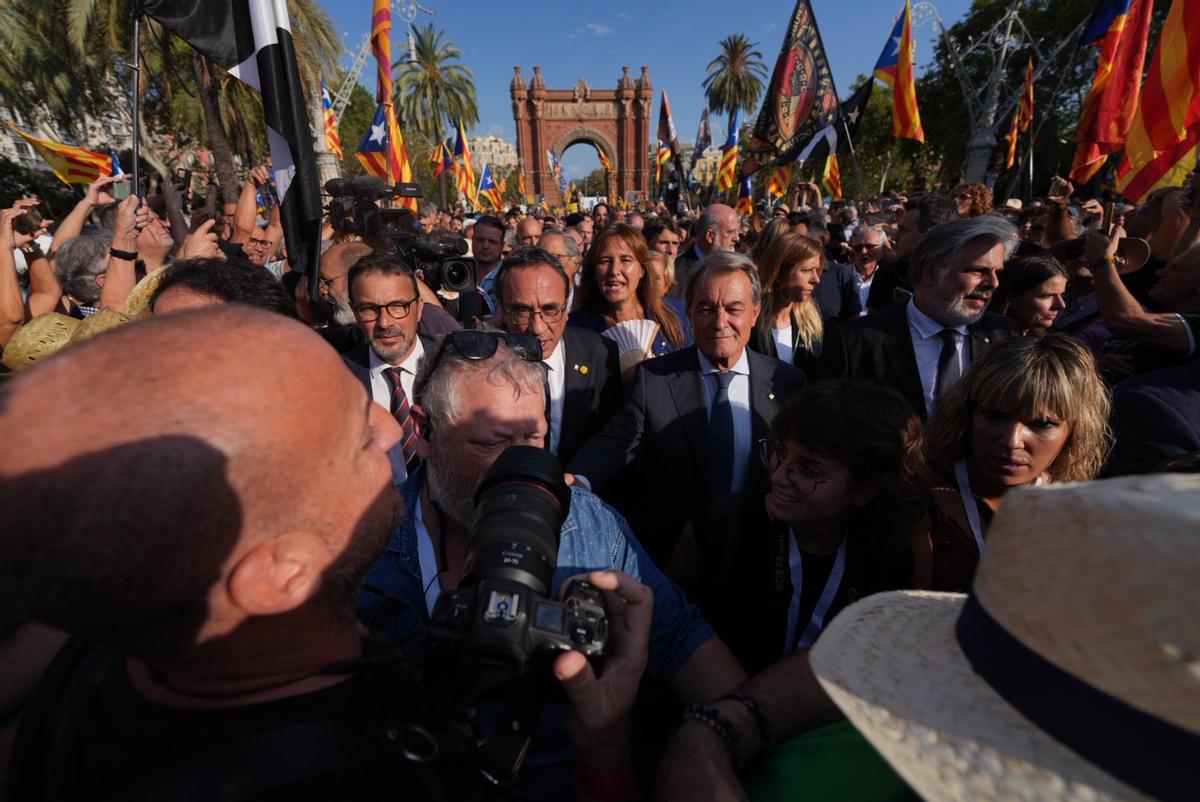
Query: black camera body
[[500, 624]]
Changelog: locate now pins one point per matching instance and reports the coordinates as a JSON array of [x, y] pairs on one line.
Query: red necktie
[[403, 415]]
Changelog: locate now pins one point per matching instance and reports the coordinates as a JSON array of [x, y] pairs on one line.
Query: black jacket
[[663, 426], [592, 393], [879, 348], [1155, 417]]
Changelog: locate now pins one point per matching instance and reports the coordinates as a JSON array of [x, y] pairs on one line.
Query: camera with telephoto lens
[[443, 264], [500, 624]]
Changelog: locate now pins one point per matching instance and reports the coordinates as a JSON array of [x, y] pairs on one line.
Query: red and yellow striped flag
[[1011, 136], [1161, 146], [662, 156], [464, 171], [781, 178], [895, 68], [332, 141], [1025, 109], [381, 48], [745, 202], [1122, 28], [831, 177], [521, 191], [71, 165], [605, 162]]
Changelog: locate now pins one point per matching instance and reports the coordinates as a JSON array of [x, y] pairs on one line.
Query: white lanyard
[[969, 504], [823, 603], [429, 569]]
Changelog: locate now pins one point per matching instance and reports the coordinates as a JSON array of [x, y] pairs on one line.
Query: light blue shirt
[[927, 347]]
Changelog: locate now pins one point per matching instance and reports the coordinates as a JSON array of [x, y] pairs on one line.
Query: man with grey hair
[[923, 347], [478, 394], [79, 266], [717, 229], [692, 417], [867, 244], [566, 250]]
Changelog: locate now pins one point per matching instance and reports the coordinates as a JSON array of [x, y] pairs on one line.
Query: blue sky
[[592, 40]]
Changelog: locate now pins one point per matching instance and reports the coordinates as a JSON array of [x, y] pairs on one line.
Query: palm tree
[[431, 89], [735, 78]]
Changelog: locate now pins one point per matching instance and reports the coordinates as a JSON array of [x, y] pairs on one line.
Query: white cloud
[[599, 28], [623, 15], [771, 26]]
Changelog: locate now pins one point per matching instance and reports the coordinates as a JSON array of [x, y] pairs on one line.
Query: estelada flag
[[252, 41], [831, 177], [1025, 108], [1121, 28], [729, 154], [745, 203], [464, 171], [895, 68], [71, 165], [605, 162], [800, 99], [332, 140], [488, 189], [1162, 141], [382, 151], [781, 178]]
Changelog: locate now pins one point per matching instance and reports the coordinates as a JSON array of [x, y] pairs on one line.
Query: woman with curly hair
[[972, 200], [1030, 411], [837, 524]]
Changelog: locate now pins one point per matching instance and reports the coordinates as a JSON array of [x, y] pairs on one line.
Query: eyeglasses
[[328, 282], [773, 455], [477, 345], [397, 310], [865, 246], [523, 315]]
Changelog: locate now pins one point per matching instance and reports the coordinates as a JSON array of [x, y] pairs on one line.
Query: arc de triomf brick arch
[[615, 122]]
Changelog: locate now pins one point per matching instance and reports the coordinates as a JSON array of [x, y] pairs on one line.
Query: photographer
[[478, 394], [215, 652]]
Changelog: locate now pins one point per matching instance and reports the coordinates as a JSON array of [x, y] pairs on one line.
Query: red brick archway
[[615, 122]]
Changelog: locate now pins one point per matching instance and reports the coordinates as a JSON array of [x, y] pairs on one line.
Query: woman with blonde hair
[[1030, 411], [790, 327], [616, 297]]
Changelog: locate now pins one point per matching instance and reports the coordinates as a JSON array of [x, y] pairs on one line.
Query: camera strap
[[427, 559]]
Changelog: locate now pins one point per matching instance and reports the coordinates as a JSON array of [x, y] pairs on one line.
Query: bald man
[[529, 231], [204, 554], [717, 229]]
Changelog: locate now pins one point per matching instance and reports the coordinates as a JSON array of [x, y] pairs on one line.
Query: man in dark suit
[[716, 229], [924, 346], [387, 306], [583, 370], [692, 418], [1155, 417]]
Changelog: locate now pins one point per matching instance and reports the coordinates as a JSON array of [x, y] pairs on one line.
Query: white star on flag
[[377, 133]]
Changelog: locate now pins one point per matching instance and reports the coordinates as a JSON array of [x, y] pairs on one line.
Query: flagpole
[[858, 173], [137, 71]]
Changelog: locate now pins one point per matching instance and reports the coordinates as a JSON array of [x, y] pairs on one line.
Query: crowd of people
[[823, 464]]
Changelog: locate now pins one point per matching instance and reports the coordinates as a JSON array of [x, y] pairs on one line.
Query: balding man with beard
[[717, 229]]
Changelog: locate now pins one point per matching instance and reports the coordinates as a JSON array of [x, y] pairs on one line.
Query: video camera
[[442, 264], [500, 624]]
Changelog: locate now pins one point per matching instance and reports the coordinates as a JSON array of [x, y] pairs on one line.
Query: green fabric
[[833, 762]]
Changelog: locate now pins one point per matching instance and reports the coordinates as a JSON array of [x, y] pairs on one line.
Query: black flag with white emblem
[[252, 40]]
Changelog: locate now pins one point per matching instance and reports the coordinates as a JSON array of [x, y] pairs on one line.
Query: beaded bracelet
[[760, 718], [719, 723]]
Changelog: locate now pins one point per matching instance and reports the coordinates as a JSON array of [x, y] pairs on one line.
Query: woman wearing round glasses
[[842, 505]]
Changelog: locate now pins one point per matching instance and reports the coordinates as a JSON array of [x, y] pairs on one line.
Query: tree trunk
[[218, 143]]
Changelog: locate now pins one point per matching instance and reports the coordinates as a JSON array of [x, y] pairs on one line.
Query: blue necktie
[[720, 438]]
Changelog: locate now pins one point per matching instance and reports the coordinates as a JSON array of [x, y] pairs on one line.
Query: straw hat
[[38, 339], [100, 322], [137, 304], [1085, 601]]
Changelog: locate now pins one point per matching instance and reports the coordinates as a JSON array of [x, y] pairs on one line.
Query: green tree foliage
[[434, 89], [735, 78]]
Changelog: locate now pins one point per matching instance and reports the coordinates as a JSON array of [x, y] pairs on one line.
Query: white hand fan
[[634, 339]]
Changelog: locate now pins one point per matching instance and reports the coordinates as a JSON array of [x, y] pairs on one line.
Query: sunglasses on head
[[474, 344]]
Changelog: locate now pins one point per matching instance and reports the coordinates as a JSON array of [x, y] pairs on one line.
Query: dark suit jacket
[[836, 294], [592, 390], [684, 262], [879, 348], [357, 360], [663, 424], [1155, 417]]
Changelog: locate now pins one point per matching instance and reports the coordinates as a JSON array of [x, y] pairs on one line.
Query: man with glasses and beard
[[478, 394], [924, 346]]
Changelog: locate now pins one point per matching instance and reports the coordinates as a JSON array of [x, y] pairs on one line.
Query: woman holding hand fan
[[616, 297]]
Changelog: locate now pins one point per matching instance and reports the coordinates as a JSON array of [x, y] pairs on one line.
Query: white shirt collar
[[924, 325], [409, 365], [557, 360], [742, 366]]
